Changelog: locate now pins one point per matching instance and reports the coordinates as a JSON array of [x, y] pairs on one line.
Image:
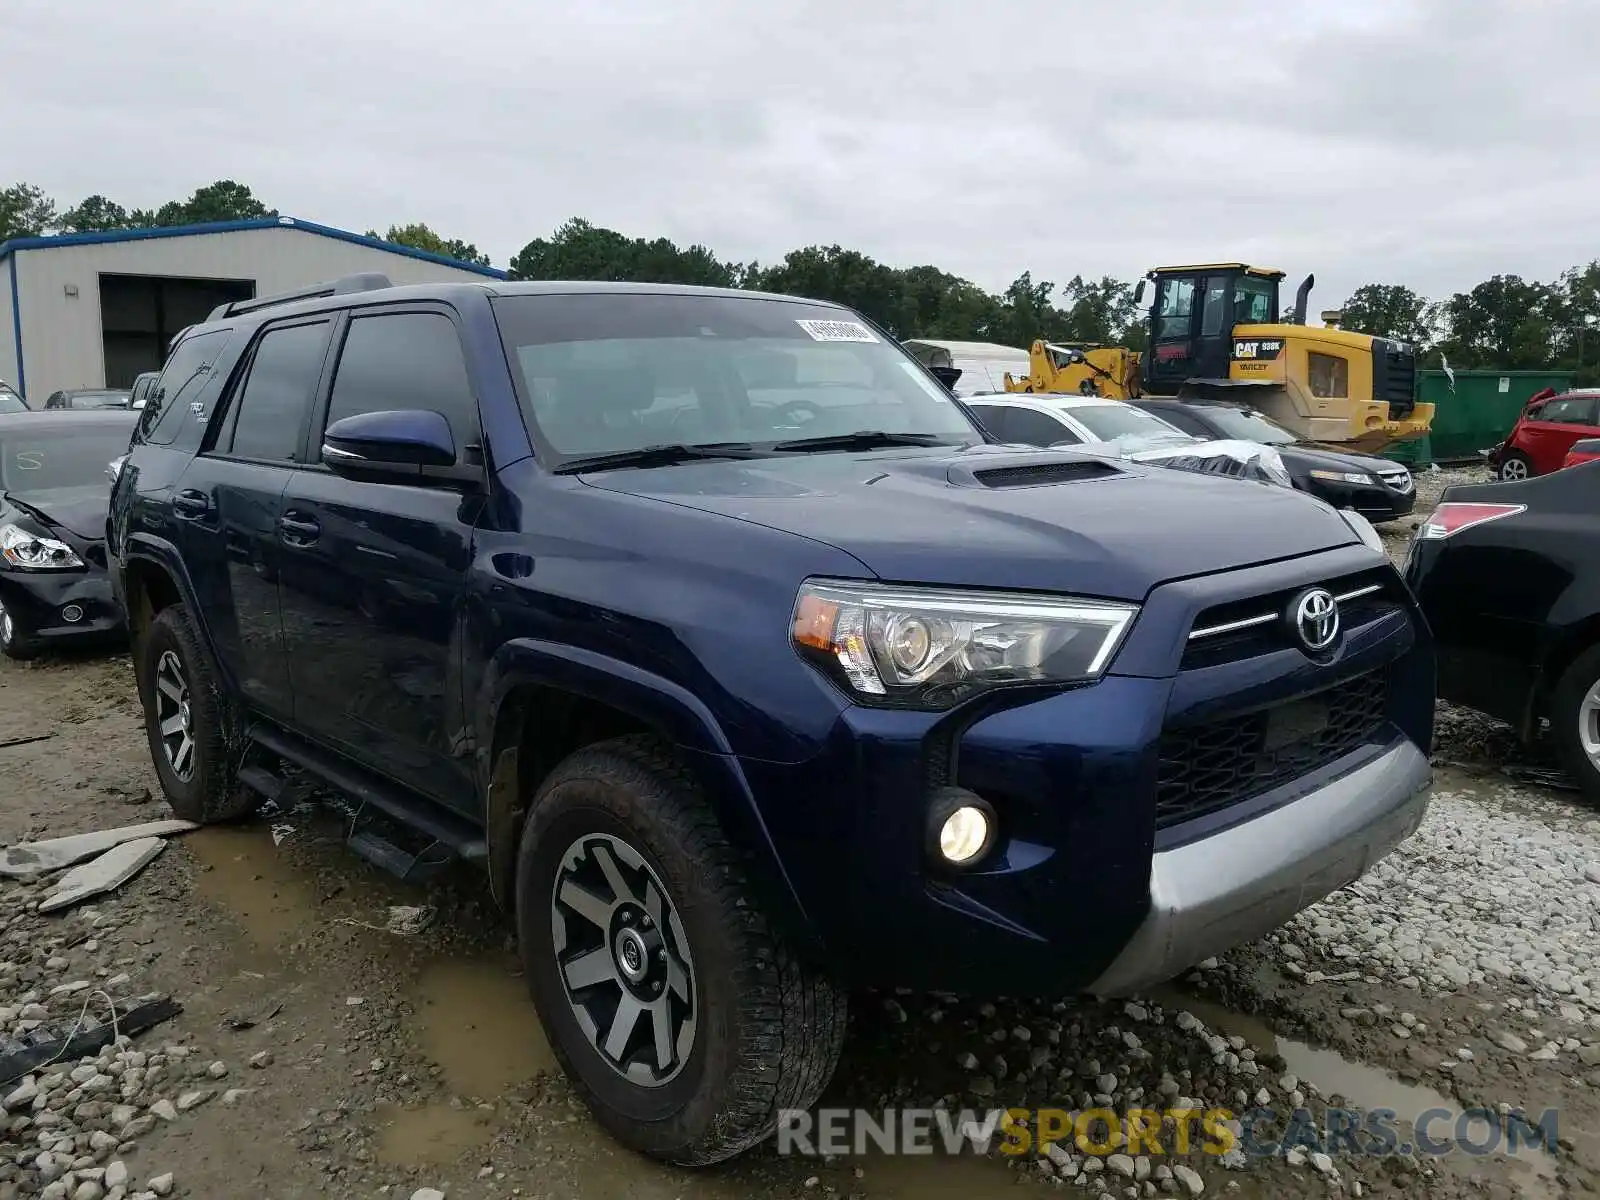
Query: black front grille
[[1209, 767], [1394, 375], [1040, 473]]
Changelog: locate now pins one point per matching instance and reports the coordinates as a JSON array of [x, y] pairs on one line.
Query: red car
[[1582, 452], [1547, 429]]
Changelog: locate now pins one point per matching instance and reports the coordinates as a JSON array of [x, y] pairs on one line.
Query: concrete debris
[[103, 874], [27, 860]]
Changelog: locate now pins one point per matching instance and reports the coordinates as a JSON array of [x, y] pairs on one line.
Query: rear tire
[[190, 722], [612, 824], [1515, 466], [1575, 721]]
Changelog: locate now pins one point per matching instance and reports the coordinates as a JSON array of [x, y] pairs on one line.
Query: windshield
[[36, 462], [1255, 301], [1108, 422], [97, 400], [1249, 427], [604, 373]]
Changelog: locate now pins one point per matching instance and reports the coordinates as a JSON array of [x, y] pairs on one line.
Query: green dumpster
[[1477, 413]]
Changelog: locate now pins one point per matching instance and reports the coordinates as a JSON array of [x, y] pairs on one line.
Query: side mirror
[[1138, 293], [949, 376], [410, 445]]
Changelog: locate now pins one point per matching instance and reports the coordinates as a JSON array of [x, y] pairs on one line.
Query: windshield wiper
[[656, 456], [864, 439]]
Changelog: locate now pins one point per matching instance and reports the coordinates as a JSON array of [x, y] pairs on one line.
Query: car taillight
[[1453, 517]]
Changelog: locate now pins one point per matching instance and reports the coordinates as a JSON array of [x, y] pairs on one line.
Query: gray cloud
[[1432, 142]]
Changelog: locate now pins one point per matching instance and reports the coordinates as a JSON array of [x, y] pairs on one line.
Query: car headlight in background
[[931, 648], [1342, 476], [30, 552], [1363, 529]]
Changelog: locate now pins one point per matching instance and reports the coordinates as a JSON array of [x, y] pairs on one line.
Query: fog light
[[961, 827], [964, 834], [72, 614]]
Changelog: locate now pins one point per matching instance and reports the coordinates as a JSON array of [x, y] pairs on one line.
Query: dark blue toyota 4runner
[[714, 629]]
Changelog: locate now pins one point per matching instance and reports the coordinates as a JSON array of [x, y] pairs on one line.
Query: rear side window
[[405, 361], [1569, 410], [268, 412], [996, 418], [168, 402]]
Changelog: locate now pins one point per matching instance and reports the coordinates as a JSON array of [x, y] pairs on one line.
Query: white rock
[[161, 1185], [436, 1194], [116, 1173], [1189, 1178]]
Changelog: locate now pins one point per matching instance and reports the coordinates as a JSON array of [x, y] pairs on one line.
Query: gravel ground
[[344, 1035]]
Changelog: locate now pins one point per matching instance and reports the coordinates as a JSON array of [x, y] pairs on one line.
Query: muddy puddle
[[246, 875], [1363, 1086]]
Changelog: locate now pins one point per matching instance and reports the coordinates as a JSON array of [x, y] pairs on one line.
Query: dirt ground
[[401, 1059]]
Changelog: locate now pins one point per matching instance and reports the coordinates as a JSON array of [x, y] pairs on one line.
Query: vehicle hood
[[925, 516], [80, 511], [1307, 457]]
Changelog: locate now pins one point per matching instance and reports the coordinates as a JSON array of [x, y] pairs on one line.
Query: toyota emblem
[[1315, 617]]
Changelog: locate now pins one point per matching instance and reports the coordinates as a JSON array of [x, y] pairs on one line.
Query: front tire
[[190, 722], [1575, 721], [681, 1017], [12, 644], [1515, 466]]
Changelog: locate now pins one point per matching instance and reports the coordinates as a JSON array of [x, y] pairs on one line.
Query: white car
[[1112, 427]]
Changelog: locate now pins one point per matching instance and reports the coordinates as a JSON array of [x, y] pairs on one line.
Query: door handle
[[191, 504], [298, 531]]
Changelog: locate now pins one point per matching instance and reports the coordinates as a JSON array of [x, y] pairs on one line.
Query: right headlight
[[34, 552], [931, 648]]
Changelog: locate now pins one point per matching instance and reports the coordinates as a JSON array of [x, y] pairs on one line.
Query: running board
[[449, 835]]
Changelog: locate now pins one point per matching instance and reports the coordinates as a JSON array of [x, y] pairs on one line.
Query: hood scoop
[[1024, 471]]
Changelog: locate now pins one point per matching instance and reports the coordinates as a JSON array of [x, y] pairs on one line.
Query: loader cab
[[1193, 312]]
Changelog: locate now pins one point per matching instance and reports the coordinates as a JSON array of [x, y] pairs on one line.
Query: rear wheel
[[190, 722], [1515, 465], [682, 1018], [1575, 721]]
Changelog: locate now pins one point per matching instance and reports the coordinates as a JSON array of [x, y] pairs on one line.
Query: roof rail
[[366, 282]]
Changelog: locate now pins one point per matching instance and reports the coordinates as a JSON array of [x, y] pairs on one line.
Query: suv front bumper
[[1219, 892]]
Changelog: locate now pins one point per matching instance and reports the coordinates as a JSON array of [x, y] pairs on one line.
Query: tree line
[[1505, 322]]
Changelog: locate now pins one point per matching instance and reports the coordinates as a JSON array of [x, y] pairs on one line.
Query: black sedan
[[1377, 488], [1508, 576], [53, 503]]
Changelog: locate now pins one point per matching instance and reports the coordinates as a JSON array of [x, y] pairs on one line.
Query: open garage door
[[140, 315]]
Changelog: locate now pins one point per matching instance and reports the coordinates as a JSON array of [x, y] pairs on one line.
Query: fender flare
[[667, 707], [146, 547]]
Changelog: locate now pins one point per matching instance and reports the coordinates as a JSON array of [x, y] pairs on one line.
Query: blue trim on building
[[9, 249], [16, 329]]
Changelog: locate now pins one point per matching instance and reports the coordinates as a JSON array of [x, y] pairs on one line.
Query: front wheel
[[12, 644], [1515, 466], [1575, 721], [682, 1018]]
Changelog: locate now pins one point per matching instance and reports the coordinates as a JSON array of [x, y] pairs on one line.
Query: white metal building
[[86, 310]]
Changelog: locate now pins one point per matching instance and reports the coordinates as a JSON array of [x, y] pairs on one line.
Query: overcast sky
[[1429, 142]]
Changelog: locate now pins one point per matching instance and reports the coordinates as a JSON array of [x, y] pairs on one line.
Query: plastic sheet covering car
[[1240, 460]]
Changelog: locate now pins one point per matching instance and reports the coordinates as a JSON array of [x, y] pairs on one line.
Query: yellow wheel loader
[[1216, 333], [1085, 368]]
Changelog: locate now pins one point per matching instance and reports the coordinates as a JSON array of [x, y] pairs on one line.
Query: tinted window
[[187, 370], [1256, 301], [1216, 309], [1242, 424], [1186, 421], [996, 418], [613, 372], [1569, 410], [90, 400], [1111, 421], [269, 410], [1037, 428], [405, 361]]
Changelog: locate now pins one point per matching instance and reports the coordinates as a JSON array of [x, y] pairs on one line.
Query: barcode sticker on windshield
[[837, 331]]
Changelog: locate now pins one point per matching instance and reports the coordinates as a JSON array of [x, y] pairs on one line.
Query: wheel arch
[[542, 701]]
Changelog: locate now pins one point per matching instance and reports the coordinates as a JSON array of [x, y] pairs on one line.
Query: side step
[[446, 835]]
